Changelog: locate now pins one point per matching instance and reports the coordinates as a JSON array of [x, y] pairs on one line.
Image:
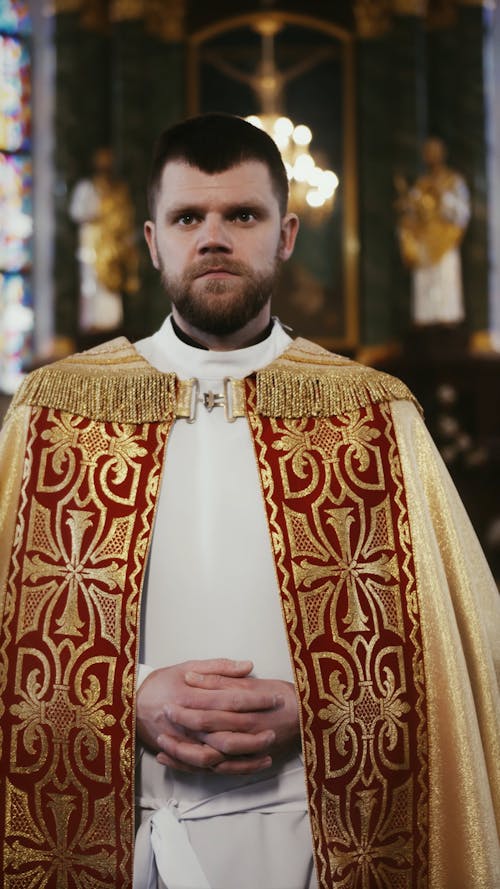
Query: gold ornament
[[167, 19], [373, 17], [410, 7], [124, 10]]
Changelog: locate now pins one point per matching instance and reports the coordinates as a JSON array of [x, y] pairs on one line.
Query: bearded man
[[242, 552]]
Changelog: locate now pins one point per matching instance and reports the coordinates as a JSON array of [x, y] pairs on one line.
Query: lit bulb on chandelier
[[309, 183]]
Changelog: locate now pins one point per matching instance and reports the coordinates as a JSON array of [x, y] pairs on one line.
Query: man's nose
[[214, 236]]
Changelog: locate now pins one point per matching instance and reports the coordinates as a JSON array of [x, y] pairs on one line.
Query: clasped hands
[[211, 714]]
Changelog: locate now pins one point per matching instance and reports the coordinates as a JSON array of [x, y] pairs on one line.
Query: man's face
[[218, 240]]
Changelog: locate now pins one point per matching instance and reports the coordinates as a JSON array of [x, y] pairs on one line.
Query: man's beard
[[220, 306]]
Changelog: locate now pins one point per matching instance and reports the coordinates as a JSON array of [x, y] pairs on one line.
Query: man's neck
[[252, 333]]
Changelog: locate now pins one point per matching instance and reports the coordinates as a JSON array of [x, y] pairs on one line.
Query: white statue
[[107, 254], [433, 216]]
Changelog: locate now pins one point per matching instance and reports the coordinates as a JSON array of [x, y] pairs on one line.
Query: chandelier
[[311, 187], [309, 184]]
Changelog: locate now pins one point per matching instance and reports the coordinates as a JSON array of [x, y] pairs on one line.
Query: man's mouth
[[217, 268], [216, 272]]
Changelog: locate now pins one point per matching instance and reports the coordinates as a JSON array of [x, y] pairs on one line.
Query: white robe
[[212, 592]]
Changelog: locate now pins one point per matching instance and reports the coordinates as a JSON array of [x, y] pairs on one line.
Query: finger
[[232, 700], [172, 763], [239, 743], [221, 665], [189, 752], [199, 721], [214, 681], [243, 766]]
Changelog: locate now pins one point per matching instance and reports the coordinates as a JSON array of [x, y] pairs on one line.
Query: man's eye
[[186, 219], [244, 216]]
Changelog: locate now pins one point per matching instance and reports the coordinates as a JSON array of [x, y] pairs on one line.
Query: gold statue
[[433, 216], [107, 254]]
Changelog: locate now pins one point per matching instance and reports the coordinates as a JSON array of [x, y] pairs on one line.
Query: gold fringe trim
[[115, 383], [309, 381], [131, 392]]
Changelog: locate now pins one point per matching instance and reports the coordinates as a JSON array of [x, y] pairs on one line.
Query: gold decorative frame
[[350, 241]]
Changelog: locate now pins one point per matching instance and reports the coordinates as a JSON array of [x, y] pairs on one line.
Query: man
[[314, 601]]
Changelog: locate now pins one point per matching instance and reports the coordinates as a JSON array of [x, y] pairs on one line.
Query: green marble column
[[408, 91], [408, 101], [442, 98], [391, 124], [81, 123], [166, 106], [376, 230], [148, 95]]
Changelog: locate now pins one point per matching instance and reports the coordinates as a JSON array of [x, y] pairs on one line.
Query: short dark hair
[[214, 143]]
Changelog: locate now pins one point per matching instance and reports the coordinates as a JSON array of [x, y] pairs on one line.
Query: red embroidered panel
[[340, 533], [68, 649]]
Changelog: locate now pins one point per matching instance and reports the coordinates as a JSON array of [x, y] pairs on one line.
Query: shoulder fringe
[[111, 383], [114, 383], [284, 394], [307, 380]]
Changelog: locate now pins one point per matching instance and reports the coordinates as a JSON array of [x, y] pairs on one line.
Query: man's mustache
[[223, 265]]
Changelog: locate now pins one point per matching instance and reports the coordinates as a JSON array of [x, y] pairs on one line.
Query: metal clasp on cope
[[221, 399], [232, 399]]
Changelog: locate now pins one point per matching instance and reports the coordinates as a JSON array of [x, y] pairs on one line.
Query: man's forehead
[[179, 177]]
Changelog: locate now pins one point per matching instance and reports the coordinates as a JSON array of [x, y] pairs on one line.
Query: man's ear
[[149, 234], [289, 230]]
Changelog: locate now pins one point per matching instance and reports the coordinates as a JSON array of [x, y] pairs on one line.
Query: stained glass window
[[16, 328], [15, 17], [16, 221], [14, 94], [15, 212]]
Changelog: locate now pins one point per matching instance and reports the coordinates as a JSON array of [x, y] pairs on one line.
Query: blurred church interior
[[353, 92]]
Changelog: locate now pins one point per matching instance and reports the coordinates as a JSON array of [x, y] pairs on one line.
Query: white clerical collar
[[165, 351]]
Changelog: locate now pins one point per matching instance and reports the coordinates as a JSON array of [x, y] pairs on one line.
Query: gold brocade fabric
[[12, 450], [83, 510], [339, 528], [460, 614]]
